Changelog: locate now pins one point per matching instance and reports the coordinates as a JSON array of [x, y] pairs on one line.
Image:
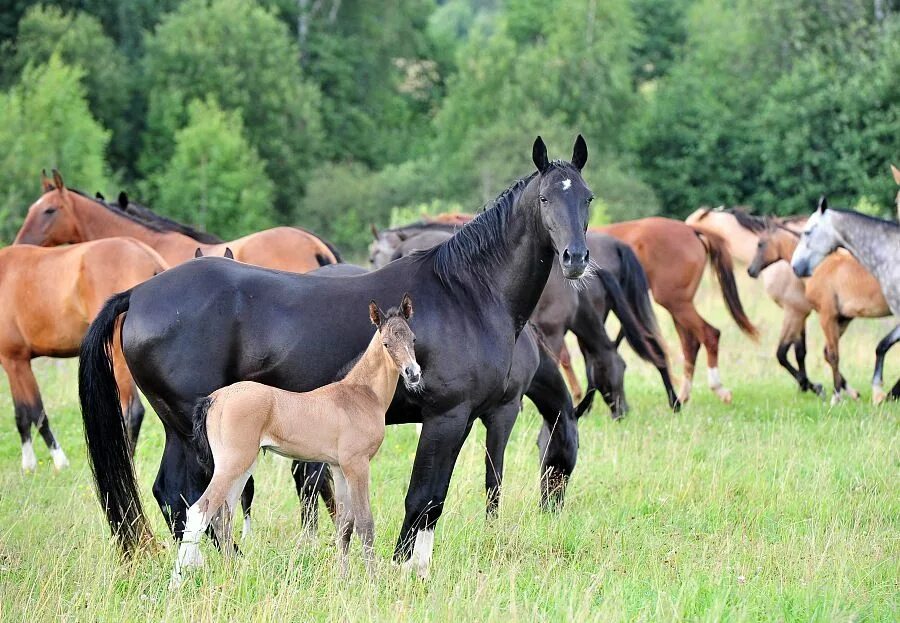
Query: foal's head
[[767, 253], [398, 339]]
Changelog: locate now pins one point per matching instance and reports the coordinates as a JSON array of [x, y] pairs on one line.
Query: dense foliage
[[333, 115]]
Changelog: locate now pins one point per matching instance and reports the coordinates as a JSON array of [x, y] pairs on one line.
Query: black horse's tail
[[636, 288], [201, 438], [638, 335], [104, 429]]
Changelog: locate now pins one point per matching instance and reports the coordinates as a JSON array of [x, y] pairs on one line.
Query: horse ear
[[896, 173], [580, 153], [374, 313], [198, 253], [228, 253], [585, 405], [823, 204], [374, 230], [99, 195], [123, 199], [406, 306], [539, 155], [46, 182], [58, 182]]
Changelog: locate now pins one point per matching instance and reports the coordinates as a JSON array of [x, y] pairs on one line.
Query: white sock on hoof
[[59, 458], [420, 561], [29, 460], [189, 551], [245, 531], [715, 381]]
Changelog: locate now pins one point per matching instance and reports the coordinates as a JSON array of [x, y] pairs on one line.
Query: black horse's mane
[[761, 223], [481, 243]]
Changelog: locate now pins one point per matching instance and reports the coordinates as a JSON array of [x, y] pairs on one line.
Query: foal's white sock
[[59, 457], [29, 460]]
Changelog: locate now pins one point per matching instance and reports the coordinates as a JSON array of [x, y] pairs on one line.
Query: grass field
[[777, 508]]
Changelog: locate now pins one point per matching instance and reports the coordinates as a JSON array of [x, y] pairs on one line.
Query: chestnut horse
[[840, 289], [50, 296], [63, 216], [742, 229], [674, 256]]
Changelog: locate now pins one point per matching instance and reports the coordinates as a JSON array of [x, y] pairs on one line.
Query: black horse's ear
[[99, 195], [374, 313], [539, 155], [123, 199], [198, 253], [585, 405], [406, 307], [228, 253], [580, 153], [823, 204]]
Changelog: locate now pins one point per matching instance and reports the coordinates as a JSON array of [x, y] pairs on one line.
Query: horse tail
[[635, 332], [331, 248], [636, 288], [104, 429], [201, 437], [720, 259]]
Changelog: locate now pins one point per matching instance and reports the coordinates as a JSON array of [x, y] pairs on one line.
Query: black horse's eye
[[542, 198], [590, 199]]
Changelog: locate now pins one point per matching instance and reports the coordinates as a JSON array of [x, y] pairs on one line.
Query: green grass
[[776, 508]]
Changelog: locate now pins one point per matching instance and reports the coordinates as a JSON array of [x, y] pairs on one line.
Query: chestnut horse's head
[[51, 220], [398, 339]]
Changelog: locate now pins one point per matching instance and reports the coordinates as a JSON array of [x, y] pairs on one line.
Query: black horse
[[205, 324]]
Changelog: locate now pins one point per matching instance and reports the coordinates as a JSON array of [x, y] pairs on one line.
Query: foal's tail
[[720, 259], [201, 438], [104, 429]]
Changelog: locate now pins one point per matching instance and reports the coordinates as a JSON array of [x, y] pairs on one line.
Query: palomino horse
[[50, 296], [241, 322], [840, 290], [674, 256], [742, 230], [64, 216], [872, 241], [341, 424]]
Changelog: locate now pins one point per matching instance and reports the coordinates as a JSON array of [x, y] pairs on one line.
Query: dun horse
[[674, 256], [872, 241], [840, 289], [64, 216], [341, 424], [50, 296]]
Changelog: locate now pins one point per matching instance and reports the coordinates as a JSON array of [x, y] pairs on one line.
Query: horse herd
[[236, 350]]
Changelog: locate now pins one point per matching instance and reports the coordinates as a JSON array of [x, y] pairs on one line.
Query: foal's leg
[[881, 350], [565, 362], [499, 424], [343, 516], [29, 409], [356, 474]]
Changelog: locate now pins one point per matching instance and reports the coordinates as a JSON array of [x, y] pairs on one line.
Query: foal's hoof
[[724, 395], [817, 389], [878, 395], [60, 461], [421, 571]]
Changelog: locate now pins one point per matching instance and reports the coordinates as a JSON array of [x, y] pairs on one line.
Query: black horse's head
[[564, 198], [558, 451]]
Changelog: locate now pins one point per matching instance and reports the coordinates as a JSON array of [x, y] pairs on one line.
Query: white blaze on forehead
[[566, 184]]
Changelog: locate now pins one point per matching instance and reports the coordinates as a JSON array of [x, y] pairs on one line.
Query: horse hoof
[[176, 582], [60, 461], [818, 389], [724, 395], [878, 396], [836, 399], [852, 393]]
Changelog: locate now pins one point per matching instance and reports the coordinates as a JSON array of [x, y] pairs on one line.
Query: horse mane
[[480, 244], [158, 222], [751, 222], [867, 217]]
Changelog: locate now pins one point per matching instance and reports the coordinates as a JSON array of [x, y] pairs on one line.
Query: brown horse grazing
[[840, 290], [741, 229], [341, 424], [674, 255], [64, 216], [50, 296]]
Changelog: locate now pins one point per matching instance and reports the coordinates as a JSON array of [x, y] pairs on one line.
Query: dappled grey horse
[[872, 241]]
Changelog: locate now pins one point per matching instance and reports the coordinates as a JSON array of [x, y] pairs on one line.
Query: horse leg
[[499, 425], [709, 336], [690, 347], [831, 330], [791, 336], [356, 474], [565, 362], [246, 504], [29, 410], [312, 480], [343, 516], [170, 486], [132, 408], [800, 354], [881, 350], [439, 445]]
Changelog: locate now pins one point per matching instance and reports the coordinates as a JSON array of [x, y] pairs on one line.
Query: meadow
[[776, 508]]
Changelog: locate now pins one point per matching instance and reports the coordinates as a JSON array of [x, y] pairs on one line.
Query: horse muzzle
[[574, 261], [801, 267], [412, 375]]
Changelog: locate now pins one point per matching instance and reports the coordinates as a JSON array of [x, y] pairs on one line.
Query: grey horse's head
[[818, 239]]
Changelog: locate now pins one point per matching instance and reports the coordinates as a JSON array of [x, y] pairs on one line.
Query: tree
[[242, 56], [45, 122], [215, 179], [79, 40]]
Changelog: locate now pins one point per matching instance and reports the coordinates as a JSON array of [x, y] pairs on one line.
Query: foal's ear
[[580, 153], [896, 173], [123, 199], [374, 230], [374, 313], [539, 155], [46, 182], [228, 253], [58, 182], [823, 204], [198, 253], [406, 307]]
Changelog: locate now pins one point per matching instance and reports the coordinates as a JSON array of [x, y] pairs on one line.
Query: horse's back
[[282, 248]]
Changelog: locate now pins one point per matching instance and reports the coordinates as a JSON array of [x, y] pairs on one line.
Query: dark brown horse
[[64, 216], [50, 297], [674, 256]]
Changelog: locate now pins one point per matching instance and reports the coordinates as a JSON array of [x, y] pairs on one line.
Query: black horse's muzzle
[[574, 261]]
